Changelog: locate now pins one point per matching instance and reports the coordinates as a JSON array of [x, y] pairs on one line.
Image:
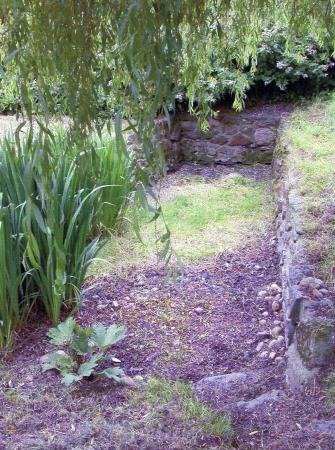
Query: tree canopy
[[138, 51]]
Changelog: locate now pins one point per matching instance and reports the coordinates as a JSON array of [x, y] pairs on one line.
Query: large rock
[[260, 401], [194, 134], [323, 426], [189, 125], [264, 136], [315, 341], [231, 386], [240, 139], [219, 138], [230, 155]]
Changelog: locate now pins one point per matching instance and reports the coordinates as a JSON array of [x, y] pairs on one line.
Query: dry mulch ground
[[205, 324]]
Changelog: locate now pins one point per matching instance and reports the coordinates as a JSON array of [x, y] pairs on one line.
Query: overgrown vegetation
[[55, 203], [85, 348], [312, 133], [303, 69], [206, 217]]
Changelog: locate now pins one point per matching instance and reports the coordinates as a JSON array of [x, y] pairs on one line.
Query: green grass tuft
[[191, 423]]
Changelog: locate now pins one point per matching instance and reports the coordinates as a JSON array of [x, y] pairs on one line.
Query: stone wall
[[309, 322], [232, 138]]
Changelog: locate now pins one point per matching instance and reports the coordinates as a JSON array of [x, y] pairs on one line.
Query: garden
[[167, 257]]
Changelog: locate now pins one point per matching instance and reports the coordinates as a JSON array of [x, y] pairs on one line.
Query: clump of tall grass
[[55, 202]]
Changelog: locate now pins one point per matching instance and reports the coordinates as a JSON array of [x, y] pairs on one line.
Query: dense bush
[[304, 68], [306, 64], [55, 203]]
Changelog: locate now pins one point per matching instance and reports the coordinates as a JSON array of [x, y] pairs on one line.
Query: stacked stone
[[232, 138]]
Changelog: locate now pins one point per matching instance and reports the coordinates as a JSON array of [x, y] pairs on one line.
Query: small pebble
[[264, 334], [199, 310], [276, 306], [279, 360], [115, 304], [274, 288], [277, 322], [262, 322], [272, 355], [127, 381], [138, 378], [317, 294], [276, 331], [101, 307], [115, 360], [261, 294], [265, 314], [264, 355], [259, 346]]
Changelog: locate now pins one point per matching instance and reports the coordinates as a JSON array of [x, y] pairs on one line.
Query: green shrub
[[56, 201], [306, 63], [85, 349], [302, 69]]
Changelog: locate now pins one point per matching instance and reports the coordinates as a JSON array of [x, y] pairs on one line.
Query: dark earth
[[205, 324]]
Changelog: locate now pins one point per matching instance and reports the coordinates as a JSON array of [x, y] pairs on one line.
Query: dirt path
[[209, 323]]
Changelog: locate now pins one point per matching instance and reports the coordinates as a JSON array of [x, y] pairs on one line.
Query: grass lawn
[[206, 217]]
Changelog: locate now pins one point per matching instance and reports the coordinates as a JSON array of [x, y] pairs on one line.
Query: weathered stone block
[[315, 341], [240, 139], [219, 139], [193, 134], [189, 125], [230, 155], [264, 136]]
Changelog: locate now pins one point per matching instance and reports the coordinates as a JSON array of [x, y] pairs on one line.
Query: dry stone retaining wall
[[232, 138], [309, 322]]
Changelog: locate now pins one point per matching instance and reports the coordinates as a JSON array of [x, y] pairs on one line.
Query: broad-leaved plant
[[83, 351]]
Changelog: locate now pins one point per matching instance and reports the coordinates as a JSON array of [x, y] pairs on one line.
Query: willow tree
[[137, 51]]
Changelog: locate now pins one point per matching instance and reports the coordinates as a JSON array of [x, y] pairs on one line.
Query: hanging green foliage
[[137, 52]]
